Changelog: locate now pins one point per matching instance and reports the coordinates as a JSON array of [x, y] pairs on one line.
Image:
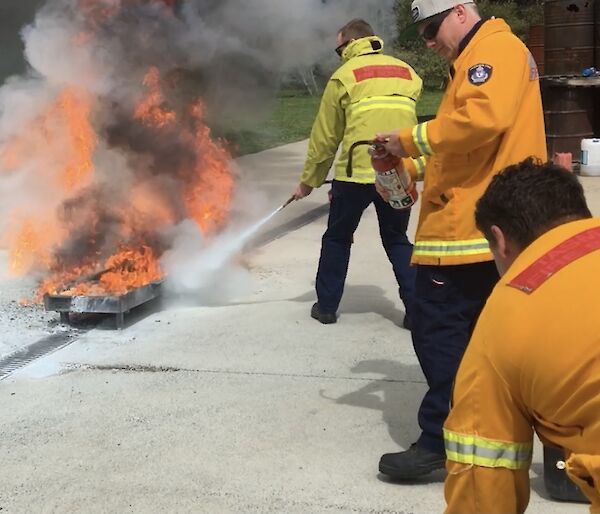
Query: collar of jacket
[[465, 41], [490, 26], [363, 46]]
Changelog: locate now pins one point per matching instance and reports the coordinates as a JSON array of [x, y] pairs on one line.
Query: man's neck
[[470, 30], [469, 26]]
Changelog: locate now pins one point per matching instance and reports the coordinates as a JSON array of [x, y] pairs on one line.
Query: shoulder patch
[[533, 68], [480, 74]]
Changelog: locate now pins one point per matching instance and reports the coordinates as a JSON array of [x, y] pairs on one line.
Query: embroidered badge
[[480, 74], [415, 13]]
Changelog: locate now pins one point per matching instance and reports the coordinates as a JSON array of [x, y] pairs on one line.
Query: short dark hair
[[355, 29], [529, 198]]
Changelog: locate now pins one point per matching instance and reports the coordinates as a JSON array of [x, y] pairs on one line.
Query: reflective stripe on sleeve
[[419, 134], [444, 248], [419, 163], [383, 102], [489, 453]]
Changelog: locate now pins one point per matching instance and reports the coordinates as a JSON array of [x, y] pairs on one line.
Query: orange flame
[[65, 126], [133, 261], [29, 247], [150, 110], [206, 199], [59, 144]]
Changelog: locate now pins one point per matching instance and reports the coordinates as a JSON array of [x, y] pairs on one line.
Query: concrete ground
[[250, 406]]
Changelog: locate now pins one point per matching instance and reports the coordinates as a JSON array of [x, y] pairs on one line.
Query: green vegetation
[[519, 14], [291, 120], [430, 99]]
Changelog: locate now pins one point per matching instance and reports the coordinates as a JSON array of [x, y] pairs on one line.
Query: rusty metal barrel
[[569, 36], [568, 116], [535, 43], [596, 123], [597, 34]]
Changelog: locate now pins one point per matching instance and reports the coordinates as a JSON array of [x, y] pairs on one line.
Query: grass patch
[[429, 102], [292, 118]]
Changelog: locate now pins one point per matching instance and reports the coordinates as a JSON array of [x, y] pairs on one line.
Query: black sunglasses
[[340, 48], [433, 27]]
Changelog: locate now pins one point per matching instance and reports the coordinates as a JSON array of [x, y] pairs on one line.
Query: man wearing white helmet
[[490, 117]]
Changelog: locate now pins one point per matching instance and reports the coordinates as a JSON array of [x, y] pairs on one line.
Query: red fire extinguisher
[[389, 173]]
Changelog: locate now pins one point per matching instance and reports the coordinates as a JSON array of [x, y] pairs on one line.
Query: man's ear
[[501, 245], [461, 10], [505, 250]]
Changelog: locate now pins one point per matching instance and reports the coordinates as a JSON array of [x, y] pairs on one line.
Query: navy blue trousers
[[448, 300], [348, 201]]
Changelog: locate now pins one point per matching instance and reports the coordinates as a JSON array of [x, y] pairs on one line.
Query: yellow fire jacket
[[369, 93], [490, 116], [533, 363]]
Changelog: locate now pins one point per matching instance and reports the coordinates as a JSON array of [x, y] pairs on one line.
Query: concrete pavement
[[250, 406]]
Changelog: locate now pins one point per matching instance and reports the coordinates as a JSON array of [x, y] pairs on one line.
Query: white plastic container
[[590, 157]]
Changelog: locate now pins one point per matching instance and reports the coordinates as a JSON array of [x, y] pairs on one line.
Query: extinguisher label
[[399, 197]]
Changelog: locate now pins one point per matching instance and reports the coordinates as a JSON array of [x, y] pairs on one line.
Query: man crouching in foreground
[[533, 362]]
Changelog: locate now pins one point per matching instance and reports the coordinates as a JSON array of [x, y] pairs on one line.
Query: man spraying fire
[[533, 362], [369, 92]]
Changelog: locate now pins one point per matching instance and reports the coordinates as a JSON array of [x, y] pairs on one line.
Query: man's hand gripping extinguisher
[[389, 173]]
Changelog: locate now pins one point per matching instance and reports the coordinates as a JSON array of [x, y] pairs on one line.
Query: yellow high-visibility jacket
[[533, 363], [490, 116], [369, 93]]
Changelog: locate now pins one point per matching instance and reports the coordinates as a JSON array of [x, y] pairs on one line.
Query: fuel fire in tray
[[119, 304], [111, 155], [97, 300]]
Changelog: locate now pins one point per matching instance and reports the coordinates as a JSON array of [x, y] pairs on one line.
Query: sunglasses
[[433, 27], [340, 48]]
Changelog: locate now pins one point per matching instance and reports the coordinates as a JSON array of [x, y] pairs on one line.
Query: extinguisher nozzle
[[288, 201]]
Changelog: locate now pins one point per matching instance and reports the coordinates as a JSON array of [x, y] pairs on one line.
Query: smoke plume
[[103, 143]]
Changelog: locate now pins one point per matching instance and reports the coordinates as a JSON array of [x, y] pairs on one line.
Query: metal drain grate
[[43, 347]]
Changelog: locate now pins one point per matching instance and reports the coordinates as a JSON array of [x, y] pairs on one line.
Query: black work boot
[[324, 317], [412, 463]]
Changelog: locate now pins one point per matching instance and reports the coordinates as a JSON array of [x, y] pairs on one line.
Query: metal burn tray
[[118, 305]]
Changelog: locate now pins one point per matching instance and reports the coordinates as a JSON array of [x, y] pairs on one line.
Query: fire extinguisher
[[389, 173]]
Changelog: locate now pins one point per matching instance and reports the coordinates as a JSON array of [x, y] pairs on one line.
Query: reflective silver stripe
[[491, 453], [419, 134], [383, 102], [420, 166], [520, 455], [451, 247]]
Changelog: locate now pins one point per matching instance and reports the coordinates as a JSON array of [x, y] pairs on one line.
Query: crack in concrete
[[170, 369]]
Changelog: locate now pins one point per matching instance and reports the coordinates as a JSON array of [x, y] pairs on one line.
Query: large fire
[[70, 246]]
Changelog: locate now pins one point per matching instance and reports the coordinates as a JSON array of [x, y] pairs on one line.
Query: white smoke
[[282, 35], [205, 271], [231, 52]]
